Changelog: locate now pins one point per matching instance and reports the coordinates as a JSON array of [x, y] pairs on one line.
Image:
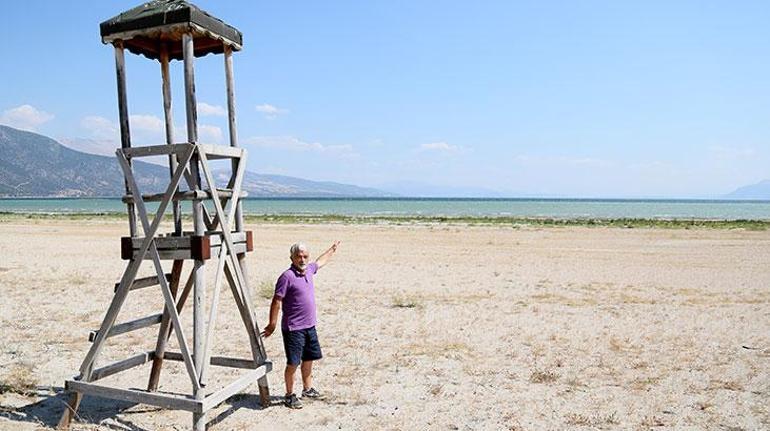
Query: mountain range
[[33, 165], [758, 191]]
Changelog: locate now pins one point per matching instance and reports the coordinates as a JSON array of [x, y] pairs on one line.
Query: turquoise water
[[547, 208]]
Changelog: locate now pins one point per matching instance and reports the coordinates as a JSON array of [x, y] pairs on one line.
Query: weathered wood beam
[[125, 130], [125, 364], [70, 408], [162, 340], [199, 293], [141, 283], [177, 242], [213, 312], [177, 402], [233, 388], [221, 152], [246, 317], [221, 361], [132, 325], [156, 150], [230, 84], [183, 298], [168, 118], [182, 254]]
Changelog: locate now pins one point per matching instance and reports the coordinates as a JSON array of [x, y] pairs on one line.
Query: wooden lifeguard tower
[[164, 30]]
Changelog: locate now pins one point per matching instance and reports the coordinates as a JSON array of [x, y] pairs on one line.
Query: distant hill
[[758, 191], [262, 185], [33, 165], [426, 190]]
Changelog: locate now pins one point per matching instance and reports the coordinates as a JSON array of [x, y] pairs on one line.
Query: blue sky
[[579, 98]]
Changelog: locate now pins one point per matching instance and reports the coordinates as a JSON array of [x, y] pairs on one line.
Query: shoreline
[[626, 223]]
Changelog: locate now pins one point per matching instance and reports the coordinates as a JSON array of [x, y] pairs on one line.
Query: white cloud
[[210, 134], [271, 111], [100, 127], [291, 143], [103, 147], [25, 117], [145, 129], [146, 123], [440, 147], [211, 110]]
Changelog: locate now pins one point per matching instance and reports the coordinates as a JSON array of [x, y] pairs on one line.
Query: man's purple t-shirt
[[298, 295]]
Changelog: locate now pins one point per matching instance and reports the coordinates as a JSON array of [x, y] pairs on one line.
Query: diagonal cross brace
[[149, 231], [247, 317], [226, 253], [130, 273]]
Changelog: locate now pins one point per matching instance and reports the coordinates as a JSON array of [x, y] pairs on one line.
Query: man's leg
[[288, 376], [311, 353], [307, 375]]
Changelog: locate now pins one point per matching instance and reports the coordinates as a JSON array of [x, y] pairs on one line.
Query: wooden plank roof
[[143, 28]]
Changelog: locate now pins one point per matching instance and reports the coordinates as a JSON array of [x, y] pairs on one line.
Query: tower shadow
[[48, 410]]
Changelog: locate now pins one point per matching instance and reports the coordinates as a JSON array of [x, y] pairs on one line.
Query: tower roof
[[143, 29]]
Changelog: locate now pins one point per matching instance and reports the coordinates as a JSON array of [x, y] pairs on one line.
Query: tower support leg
[[70, 410]]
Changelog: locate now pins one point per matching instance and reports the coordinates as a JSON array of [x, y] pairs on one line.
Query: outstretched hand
[[323, 259], [334, 246]]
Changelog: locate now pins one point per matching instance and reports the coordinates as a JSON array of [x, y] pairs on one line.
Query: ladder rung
[[141, 283], [221, 361], [129, 326]]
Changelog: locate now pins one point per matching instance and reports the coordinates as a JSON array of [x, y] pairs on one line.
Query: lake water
[[450, 207]]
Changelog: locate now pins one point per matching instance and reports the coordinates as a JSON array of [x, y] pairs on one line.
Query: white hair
[[296, 248]]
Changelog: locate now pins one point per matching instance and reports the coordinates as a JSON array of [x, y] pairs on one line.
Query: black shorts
[[301, 345]]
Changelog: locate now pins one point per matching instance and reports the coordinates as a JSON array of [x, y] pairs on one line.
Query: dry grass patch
[[266, 289], [730, 385], [20, 379], [652, 421], [406, 301], [578, 419], [626, 298], [543, 376], [644, 383], [598, 421], [553, 298]]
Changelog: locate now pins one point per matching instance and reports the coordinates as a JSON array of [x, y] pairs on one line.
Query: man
[[295, 296]]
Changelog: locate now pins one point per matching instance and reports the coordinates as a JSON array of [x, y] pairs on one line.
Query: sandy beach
[[426, 326]]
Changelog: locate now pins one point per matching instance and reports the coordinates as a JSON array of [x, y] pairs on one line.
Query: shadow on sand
[[243, 401], [109, 413], [48, 410]]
